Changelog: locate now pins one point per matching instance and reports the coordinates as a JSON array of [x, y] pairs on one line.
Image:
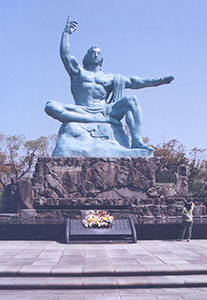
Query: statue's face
[[94, 56]]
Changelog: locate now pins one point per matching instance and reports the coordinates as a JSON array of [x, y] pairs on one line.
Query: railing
[[168, 220]]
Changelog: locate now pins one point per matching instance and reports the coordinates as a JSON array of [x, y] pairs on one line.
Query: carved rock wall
[[100, 178], [127, 186]]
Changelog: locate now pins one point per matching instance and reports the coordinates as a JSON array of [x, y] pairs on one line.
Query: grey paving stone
[[168, 256], [71, 297], [10, 281], [19, 262], [65, 269], [17, 292], [102, 297], [74, 247], [178, 293], [129, 268], [68, 292], [93, 246], [106, 268], [175, 262], [160, 268], [202, 290], [117, 252], [75, 257], [78, 259], [190, 267], [65, 281], [192, 279], [194, 296], [106, 292], [122, 261], [202, 261], [166, 280], [177, 290], [147, 259], [96, 260], [100, 281], [44, 263], [134, 292], [51, 297], [28, 254], [45, 293], [31, 281], [136, 249], [169, 296], [30, 269], [140, 297], [15, 297], [134, 281], [10, 269]]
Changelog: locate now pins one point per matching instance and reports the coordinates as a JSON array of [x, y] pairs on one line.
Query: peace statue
[[92, 127]]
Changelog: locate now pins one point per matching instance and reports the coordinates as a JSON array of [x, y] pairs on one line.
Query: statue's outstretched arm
[[139, 83], [70, 62]]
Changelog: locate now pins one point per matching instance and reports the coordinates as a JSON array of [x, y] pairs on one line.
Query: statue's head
[[93, 56]]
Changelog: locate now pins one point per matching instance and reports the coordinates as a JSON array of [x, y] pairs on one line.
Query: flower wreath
[[97, 218]]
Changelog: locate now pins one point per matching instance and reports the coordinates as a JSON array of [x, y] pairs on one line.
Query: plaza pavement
[[145, 270]]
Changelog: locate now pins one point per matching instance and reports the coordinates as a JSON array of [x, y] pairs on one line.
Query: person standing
[[187, 216]]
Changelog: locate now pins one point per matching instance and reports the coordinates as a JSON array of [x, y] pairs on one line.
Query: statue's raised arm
[[69, 61]]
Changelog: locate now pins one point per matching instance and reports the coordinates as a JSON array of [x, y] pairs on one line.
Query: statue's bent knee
[[52, 108], [48, 107]]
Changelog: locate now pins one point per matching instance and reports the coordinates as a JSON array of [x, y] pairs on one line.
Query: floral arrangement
[[97, 218]]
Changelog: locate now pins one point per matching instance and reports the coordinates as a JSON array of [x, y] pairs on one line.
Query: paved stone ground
[[123, 294], [18, 257], [50, 256]]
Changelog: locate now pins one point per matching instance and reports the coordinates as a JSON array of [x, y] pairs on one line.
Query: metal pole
[[67, 230], [133, 229]]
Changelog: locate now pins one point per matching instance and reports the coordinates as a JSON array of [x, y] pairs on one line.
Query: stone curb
[[103, 282], [102, 273], [109, 272]]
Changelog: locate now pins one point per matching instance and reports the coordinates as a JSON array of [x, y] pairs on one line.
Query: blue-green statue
[[92, 127]]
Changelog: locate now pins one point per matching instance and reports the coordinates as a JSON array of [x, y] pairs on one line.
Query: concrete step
[[102, 282], [104, 271]]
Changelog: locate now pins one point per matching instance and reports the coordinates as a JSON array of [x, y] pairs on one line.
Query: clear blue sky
[[146, 38]]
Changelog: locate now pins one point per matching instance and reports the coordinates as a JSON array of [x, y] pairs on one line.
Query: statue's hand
[[71, 26], [168, 79]]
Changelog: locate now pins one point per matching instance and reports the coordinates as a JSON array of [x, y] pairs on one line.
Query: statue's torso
[[91, 88]]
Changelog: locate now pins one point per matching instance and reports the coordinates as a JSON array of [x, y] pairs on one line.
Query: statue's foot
[[141, 145]]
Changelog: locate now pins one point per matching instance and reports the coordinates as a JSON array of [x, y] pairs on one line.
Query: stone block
[[200, 211], [24, 194], [28, 213]]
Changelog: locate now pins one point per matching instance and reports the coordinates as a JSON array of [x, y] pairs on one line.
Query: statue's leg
[[76, 113], [130, 107]]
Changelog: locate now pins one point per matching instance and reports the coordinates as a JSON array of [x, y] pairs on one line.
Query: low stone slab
[[121, 230]]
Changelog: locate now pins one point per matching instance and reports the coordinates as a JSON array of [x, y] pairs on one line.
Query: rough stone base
[[124, 186], [67, 187]]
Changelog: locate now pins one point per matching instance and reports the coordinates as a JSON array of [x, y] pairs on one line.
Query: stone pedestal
[[124, 186]]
